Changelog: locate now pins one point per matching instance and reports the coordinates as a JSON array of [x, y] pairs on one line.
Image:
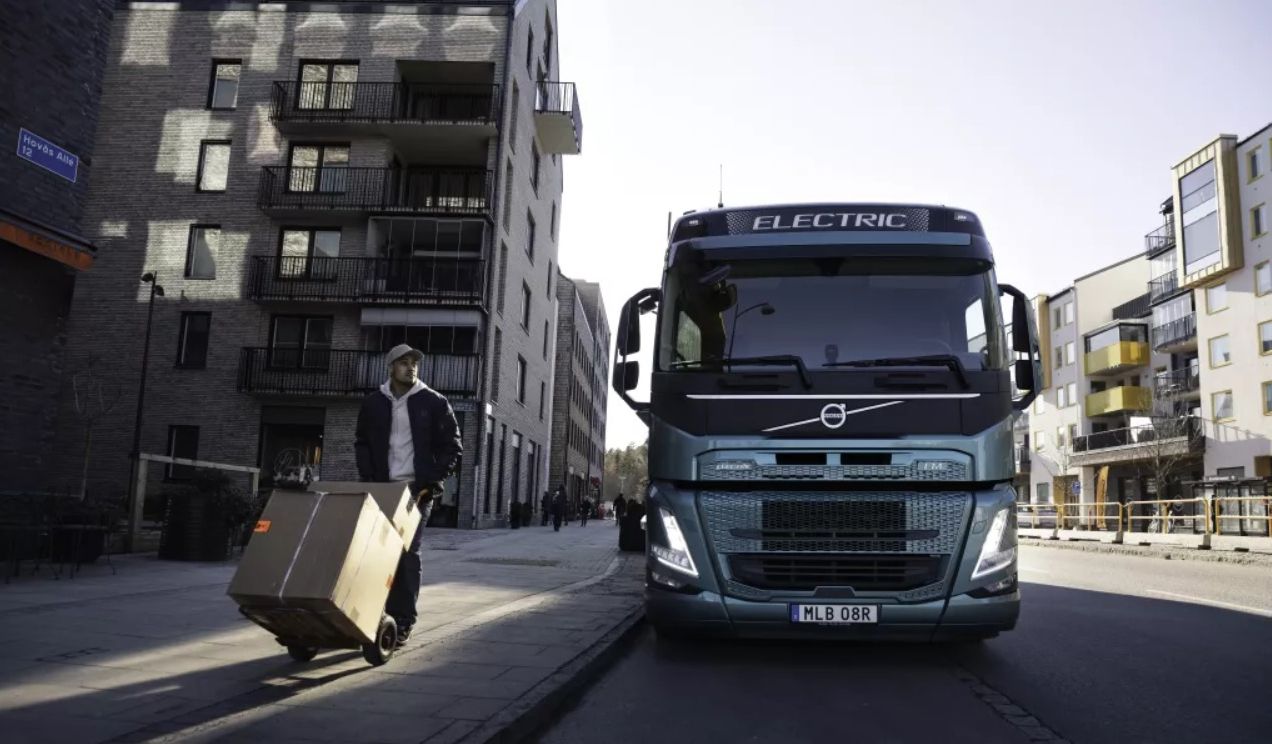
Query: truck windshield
[[828, 312]]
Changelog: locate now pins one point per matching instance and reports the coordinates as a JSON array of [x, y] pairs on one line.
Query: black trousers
[[405, 591]]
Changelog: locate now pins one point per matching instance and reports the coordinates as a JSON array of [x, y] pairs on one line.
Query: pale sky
[[1056, 122]]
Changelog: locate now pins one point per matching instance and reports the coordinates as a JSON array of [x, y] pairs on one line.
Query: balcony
[[1116, 357], [368, 280], [1136, 308], [443, 193], [1123, 399], [1160, 240], [332, 373], [1161, 287], [303, 106], [1177, 335], [1179, 383], [558, 119], [1172, 438]]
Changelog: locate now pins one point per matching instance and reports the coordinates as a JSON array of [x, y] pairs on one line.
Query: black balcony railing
[[560, 98], [1177, 382], [1160, 240], [320, 372], [427, 103], [1136, 308], [418, 281], [1187, 428], [1175, 333], [1162, 286], [420, 191]]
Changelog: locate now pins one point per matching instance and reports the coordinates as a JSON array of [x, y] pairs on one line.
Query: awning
[[47, 241]]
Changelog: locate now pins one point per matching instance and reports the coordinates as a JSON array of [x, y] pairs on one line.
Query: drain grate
[[514, 562]]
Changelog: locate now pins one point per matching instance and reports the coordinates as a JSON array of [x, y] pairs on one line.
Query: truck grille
[[861, 572], [835, 522], [935, 470]]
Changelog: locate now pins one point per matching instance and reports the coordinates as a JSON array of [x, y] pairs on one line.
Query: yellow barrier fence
[[1160, 515], [1036, 516], [1106, 517], [1242, 515]]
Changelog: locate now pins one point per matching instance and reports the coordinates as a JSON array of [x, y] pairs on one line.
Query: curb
[[1164, 552], [560, 690]]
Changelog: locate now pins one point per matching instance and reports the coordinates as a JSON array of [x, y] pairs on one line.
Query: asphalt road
[[1109, 648]]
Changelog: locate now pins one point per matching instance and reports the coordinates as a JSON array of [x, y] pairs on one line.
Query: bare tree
[[94, 400], [1168, 444]]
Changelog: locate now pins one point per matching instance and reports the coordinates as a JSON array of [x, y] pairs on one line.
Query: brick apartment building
[[311, 184], [582, 375], [53, 56]]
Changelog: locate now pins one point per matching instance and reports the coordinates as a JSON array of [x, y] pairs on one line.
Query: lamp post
[[134, 526]]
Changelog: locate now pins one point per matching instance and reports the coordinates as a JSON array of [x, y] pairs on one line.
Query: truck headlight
[[999, 550], [675, 554]]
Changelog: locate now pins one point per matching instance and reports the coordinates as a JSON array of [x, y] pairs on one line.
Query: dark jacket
[[434, 432]]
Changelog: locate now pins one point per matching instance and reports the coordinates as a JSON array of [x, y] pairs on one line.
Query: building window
[[514, 116], [521, 379], [327, 85], [1267, 398], [530, 52], [201, 252], [1220, 353], [1059, 357], [1258, 221], [1217, 298], [1263, 278], [1255, 163], [507, 205], [1038, 404], [1265, 337], [1200, 218], [1073, 433], [1073, 393], [543, 399], [1221, 405], [546, 336], [537, 162], [525, 307], [530, 235], [318, 168], [1062, 397], [495, 368], [490, 463], [214, 166], [502, 288], [549, 284], [1070, 353], [298, 342], [1060, 442], [183, 443], [192, 342], [1057, 318], [1236, 473], [308, 253], [1068, 313], [552, 226], [1038, 441], [223, 90]]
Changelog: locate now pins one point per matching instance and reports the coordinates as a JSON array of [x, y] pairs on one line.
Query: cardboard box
[[395, 500], [318, 568]]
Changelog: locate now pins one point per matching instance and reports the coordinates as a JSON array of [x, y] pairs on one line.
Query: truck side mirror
[[627, 340], [1020, 340], [626, 376], [1025, 375], [1024, 340]]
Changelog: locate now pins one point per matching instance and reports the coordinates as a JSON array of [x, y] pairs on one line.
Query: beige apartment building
[[1170, 370]]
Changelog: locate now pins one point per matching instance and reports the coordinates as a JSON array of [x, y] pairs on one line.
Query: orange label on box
[[262, 526]]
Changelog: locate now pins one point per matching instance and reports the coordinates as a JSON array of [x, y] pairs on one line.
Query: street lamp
[[135, 516], [765, 309]]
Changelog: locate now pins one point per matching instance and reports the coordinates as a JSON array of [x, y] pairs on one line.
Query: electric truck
[[830, 412]]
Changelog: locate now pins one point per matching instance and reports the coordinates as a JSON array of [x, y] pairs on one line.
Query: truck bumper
[[708, 613]]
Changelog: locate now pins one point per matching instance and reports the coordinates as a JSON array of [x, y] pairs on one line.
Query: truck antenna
[[720, 205], [669, 223]]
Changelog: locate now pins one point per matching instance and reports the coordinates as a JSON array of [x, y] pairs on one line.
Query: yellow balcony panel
[[1119, 400], [1117, 357]]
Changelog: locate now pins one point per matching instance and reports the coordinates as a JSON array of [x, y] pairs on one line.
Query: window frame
[[189, 263], [1232, 403], [1258, 213], [522, 368], [1264, 388], [331, 65], [300, 365], [1070, 315], [1258, 337], [318, 169], [308, 275], [1255, 161], [1266, 265], [183, 338], [218, 62], [1210, 351], [527, 304], [1070, 353], [171, 474], [1072, 390], [532, 230], [203, 153], [1211, 310], [1062, 396]]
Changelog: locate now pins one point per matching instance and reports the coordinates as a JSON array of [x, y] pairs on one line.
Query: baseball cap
[[399, 351]]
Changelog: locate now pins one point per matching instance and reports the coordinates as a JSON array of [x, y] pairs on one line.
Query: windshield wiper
[[776, 360], [951, 361]]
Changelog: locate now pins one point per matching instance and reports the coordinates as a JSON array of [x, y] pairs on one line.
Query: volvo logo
[[834, 415]]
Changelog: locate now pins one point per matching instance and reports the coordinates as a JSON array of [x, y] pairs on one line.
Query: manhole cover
[[514, 562]]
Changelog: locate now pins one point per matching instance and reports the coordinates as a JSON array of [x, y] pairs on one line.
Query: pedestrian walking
[[558, 509], [545, 506], [585, 511], [620, 508], [407, 433]]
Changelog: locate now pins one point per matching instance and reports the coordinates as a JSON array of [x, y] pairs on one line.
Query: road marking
[[1212, 602]]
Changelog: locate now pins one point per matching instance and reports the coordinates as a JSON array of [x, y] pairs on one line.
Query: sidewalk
[[159, 653]]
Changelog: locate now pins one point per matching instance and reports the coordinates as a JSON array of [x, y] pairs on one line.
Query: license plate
[[834, 614]]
